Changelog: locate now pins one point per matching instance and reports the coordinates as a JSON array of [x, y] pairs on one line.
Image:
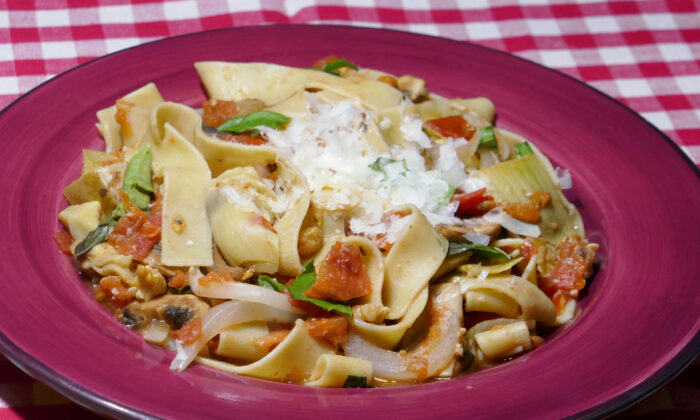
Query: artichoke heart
[[513, 180]]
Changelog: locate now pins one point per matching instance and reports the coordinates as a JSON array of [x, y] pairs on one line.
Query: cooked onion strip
[[438, 348], [240, 291], [509, 222], [224, 316]]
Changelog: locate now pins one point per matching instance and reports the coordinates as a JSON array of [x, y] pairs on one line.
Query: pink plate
[[639, 196]]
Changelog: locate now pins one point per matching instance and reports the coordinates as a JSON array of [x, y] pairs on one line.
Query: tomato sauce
[[334, 329], [190, 332], [342, 275], [216, 111]]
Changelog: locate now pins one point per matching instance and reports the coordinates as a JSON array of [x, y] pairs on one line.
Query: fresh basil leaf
[[487, 138], [244, 123], [355, 381], [482, 251], [337, 64], [137, 180], [271, 283], [305, 281], [95, 237], [448, 195], [523, 149]]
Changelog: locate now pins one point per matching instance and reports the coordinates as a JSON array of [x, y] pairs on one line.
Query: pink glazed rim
[[637, 192]]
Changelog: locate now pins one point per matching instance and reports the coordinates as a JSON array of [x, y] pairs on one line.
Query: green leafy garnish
[[482, 251], [381, 163], [244, 123], [523, 149], [95, 237], [137, 180], [448, 194], [304, 281], [355, 381], [271, 283], [337, 64], [487, 138]]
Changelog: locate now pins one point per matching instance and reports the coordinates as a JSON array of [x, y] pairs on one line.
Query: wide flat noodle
[[293, 359], [146, 98], [387, 336], [273, 83], [185, 233], [332, 370], [413, 259], [533, 303]]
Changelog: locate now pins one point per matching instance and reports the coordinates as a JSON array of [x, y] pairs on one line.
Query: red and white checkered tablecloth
[[644, 53]]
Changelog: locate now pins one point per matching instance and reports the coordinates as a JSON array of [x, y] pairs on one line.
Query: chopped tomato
[[155, 215], [573, 264], [258, 219], [529, 211], [320, 64], [453, 126], [123, 108], [334, 329], [342, 275], [469, 203], [243, 138], [419, 366], [63, 240], [527, 250], [190, 332], [271, 340], [134, 235], [216, 111], [179, 280], [111, 290], [389, 80], [214, 277]]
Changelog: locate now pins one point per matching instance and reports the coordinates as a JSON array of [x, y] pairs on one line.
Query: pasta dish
[[330, 226]]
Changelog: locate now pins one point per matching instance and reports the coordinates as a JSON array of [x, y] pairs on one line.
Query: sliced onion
[[564, 177], [509, 222], [477, 238], [240, 291], [438, 348], [222, 317]]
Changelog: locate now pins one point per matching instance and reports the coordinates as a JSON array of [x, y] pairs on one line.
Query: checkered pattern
[[644, 53]]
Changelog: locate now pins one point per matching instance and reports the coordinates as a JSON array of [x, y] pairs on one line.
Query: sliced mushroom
[[456, 231], [175, 310], [221, 266], [413, 86]]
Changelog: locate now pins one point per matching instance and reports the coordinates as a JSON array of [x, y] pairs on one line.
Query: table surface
[[644, 53]]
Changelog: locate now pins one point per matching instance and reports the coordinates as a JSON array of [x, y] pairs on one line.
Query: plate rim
[[103, 405]]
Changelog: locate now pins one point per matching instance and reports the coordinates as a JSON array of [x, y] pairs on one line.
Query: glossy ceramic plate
[[637, 193]]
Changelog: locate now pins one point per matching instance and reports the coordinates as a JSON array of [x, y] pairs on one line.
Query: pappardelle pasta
[[328, 226]]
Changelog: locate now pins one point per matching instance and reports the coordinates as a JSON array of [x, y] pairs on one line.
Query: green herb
[[381, 163], [448, 194], [95, 237], [482, 251], [523, 149], [487, 138], [137, 180], [244, 123], [337, 64], [355, 381], [271, 283], [304, 281]]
